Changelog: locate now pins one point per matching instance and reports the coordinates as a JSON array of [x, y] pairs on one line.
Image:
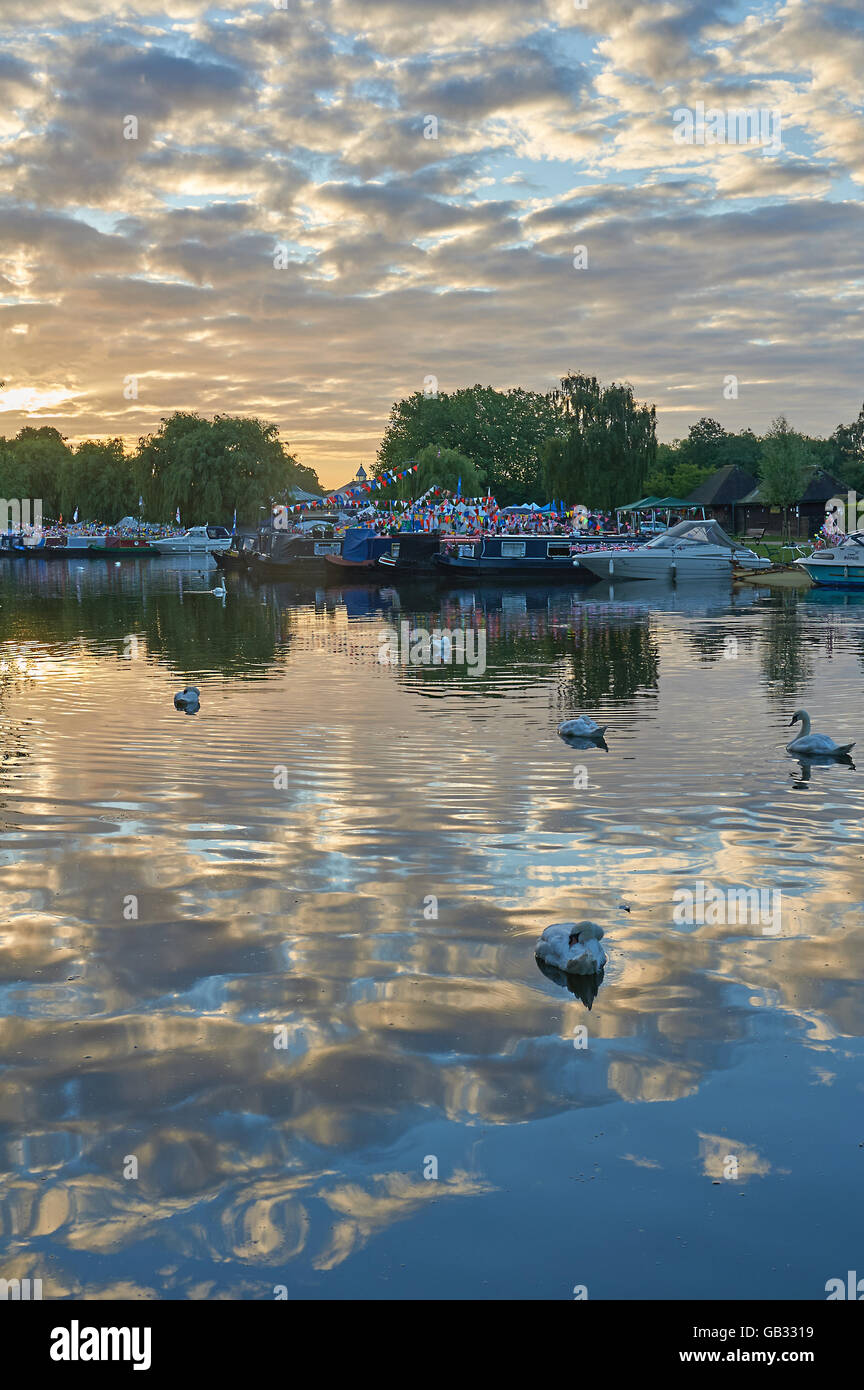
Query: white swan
[[583, 727], [809, 745], [573, 947]]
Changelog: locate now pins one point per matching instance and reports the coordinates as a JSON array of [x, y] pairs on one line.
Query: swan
[[583, 727], [573, 947], [809, 745], [187, 698]]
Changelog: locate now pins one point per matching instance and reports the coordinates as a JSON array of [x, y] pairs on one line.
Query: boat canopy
[[355, 546], [281, 546], [707, 532]]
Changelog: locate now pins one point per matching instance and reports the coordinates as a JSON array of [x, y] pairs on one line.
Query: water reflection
[[281, 955]]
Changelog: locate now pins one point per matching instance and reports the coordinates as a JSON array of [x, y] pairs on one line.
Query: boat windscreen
[[692, 533]]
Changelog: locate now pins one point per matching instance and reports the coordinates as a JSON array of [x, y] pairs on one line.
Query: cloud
[[307, 128]]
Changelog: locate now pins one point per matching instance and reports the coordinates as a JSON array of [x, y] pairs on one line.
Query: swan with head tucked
[[583, 727], [809, 745], [573, 947]]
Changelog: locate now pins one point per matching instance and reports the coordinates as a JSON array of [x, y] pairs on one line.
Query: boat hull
[[629, 565], [205, 547], [830, 576], [562, 572], [94, 549]]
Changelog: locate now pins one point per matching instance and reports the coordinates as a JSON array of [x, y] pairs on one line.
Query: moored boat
[[361, 548], [198, 540], [86, 546], [519, 556], [411, 553], [690, 550], [281, 555], [837, 566], [237, 556]]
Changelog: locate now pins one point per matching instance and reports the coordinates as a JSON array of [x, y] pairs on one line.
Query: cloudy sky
[[292, 235]]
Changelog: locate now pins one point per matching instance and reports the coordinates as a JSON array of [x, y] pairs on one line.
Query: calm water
[[304, 914]]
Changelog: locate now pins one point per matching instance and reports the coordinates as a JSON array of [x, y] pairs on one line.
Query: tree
[[703, 442], [673, 475], [443, 468], [208, 468], [604, 445], [502, 432], [34, 465], [787, 465], [848, 444], [100, 482], [743, 450]]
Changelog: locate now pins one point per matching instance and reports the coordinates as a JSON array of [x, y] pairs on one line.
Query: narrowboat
[[410, 553], [279, 555], [521, 557], [86, 546], [361, 548]]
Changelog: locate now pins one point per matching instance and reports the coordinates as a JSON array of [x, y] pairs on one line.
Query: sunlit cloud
[[430, 171]]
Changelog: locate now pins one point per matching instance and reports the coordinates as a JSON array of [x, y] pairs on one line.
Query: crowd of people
[[469, 517]]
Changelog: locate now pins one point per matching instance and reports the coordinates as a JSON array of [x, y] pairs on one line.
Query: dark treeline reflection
[[175, 621], [598, 646]]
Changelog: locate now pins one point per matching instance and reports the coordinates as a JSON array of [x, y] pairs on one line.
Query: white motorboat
[[198, 540], [696, 549], [840, 565]]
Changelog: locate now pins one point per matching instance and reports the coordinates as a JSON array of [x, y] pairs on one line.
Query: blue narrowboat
[[520, 557], [361, 547]]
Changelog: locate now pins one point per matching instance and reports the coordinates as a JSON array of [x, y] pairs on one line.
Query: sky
[[250, 209]]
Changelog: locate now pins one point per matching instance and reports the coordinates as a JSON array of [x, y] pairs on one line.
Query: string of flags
[[385, 479]]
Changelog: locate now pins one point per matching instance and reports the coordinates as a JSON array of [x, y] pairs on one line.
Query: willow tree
[[34, 464], [208, 468], [604, 444], [437, 467], [100, 482]]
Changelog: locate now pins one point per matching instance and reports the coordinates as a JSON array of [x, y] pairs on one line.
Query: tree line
[[581, 443], [597, 445], [204, 468]]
